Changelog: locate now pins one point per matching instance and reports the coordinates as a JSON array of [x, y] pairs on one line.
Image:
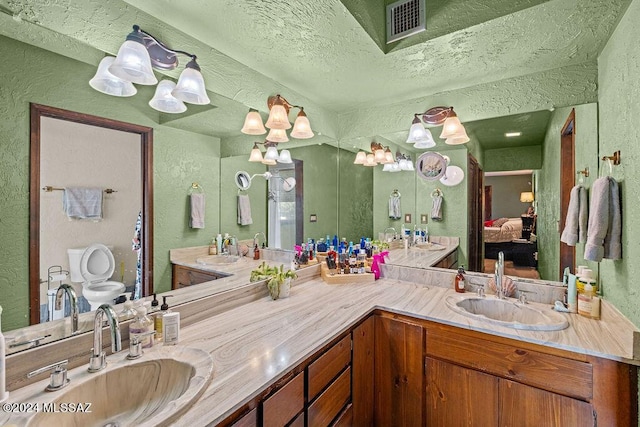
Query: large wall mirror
[[72, 151]]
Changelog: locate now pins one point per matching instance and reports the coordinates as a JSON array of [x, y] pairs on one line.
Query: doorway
[[475, 193], [285, 207], [567, 178], [488, 194]]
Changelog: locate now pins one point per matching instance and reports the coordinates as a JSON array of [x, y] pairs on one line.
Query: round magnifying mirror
[[243, 180], [288, 184], [431, 166]]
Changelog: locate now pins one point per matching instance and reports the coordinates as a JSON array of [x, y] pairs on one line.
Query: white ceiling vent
[[405, 18]]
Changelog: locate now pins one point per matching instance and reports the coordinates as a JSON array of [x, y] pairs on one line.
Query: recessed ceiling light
[[512, 134]]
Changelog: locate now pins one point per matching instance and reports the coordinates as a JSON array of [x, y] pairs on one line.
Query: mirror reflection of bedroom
[[510, 223]]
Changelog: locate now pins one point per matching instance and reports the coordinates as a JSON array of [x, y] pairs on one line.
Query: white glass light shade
[[269, 162], [285, 157], [253, 124], [301, 127], [277, 135], [371, 161], [417, 132], [426, 141], [278, 118], [379, 155], [271, 154], [387, 167], [133, 64], [388, 157], [410, 167], [395, 167], [457, 139], [106, 82], [452, 127], [190, 87], [256, 155], [361, 157], [164, 101], [402, 163]]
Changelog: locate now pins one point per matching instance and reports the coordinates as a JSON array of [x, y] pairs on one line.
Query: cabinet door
[[248, 420], [398, 373], [457, 396], [522, 405], [185, 276], [363, 352]]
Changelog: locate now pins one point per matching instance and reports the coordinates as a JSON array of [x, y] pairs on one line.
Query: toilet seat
[[97, 263]]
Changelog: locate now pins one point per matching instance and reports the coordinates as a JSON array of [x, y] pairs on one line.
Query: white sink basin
[[430, 246], [508, 313], [218, 259], [153, 390]]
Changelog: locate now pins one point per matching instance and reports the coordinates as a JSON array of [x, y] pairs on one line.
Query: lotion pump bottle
[[164, 309], [171, 328], [459, 280]]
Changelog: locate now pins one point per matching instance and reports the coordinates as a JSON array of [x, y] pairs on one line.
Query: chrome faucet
[[255, 238], [73, 302], [499, 274], [395, 233], [98, 357]]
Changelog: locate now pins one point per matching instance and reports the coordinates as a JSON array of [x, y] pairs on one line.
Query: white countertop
[[254, 344]]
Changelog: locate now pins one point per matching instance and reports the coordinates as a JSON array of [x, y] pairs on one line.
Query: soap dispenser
[[141, 325], [164, 309]]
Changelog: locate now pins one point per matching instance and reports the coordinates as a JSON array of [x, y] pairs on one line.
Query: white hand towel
[[244, 210], [82, 202], [196, 220], [394, 207], [436, 208], [599, 217], [575, 225]]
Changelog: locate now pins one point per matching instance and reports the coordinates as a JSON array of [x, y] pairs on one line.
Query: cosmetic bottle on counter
[[171, 328], [459, 280], [140, 325]]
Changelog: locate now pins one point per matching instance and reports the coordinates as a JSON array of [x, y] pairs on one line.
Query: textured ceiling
[[319, 49], [489, 58]]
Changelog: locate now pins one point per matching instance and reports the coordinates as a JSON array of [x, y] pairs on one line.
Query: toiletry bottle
[[256, 252], [4, 394], [164, 309], [362, 257], [459, 280], [128, 312], [140, 325], [585, 297], [171, 328], [219, 243], [154, 304], [572, 294], [212, 246]]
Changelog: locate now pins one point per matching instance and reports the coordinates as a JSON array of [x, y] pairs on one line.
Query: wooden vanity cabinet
[[183, 276], [450, 261], [398, 372]]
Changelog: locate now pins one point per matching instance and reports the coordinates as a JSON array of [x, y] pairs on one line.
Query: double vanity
[[405, 349]]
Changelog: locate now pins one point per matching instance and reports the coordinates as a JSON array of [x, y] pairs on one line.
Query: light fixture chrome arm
[[162, 56]]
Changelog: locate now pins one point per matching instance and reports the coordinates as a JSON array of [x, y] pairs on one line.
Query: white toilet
[[93, 266]]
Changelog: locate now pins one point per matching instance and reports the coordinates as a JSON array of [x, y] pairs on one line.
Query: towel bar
[[49, 188]]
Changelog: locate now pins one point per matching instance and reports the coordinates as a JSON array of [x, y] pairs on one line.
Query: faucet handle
[[135, 344], [58, 377]]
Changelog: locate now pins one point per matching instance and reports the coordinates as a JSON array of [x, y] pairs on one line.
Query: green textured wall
[[229, 198], [320, 163], [618, 93], [548, 183], [356, 187], [39, 76], [513, 159]]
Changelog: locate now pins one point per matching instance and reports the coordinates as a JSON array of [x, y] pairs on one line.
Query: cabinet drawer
[[280, 408], [450, 261], [553, 373], [331, 401], [248, 420], [298, 422], [328, 366], [346, 418]]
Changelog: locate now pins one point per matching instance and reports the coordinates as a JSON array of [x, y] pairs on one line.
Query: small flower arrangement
[[275, 276]]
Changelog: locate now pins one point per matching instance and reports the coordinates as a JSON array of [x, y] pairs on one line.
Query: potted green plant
[[278, 280]]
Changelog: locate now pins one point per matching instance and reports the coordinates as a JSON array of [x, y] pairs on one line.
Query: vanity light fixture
[[138, 55], [512, 134], [271, 157], [278, 121], [452, 130]]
